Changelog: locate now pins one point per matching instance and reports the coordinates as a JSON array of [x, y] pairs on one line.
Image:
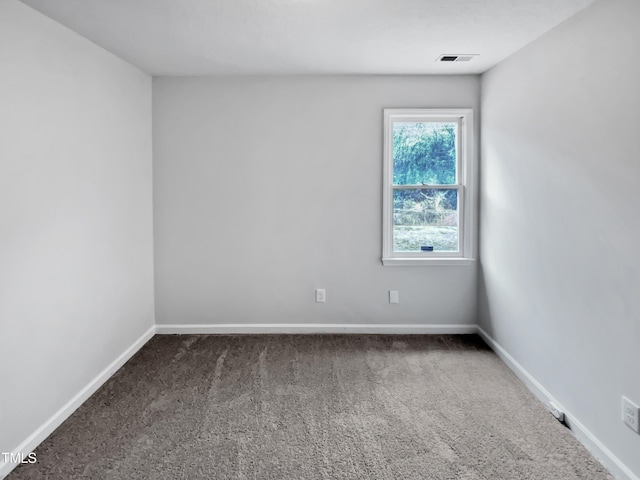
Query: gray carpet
[[312, 407]]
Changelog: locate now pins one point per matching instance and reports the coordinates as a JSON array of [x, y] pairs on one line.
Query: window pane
[[424, 153], [424, 218]]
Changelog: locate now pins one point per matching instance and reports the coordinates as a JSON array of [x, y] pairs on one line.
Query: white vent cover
[[453, 57]]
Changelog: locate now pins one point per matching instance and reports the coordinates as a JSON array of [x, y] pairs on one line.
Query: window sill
[[427, 262]]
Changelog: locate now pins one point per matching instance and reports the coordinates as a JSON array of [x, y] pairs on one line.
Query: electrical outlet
[[631, 414], [394, 296], [321, 295]]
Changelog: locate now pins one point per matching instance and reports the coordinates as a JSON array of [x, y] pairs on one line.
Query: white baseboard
[[612, 463], [311, 328], [47, 428]]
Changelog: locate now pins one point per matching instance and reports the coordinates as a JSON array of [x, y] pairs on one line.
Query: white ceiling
[[217, 37]]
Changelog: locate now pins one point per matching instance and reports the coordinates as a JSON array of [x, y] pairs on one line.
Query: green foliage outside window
[[423, 154]]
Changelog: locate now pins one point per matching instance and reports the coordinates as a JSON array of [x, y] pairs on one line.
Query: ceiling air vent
[[456, 58]]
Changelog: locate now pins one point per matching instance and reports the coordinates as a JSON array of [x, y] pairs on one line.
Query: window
[[428, 187]]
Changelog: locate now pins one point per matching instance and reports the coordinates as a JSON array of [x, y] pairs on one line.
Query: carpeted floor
[[313, 407]]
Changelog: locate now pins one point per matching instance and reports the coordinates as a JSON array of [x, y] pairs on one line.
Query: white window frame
[[465, 184]]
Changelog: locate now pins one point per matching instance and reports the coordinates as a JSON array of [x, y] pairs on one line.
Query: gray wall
[[76, 267], [266, 188], [560, 227]]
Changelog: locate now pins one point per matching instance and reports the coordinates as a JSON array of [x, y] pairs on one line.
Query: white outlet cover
[[394, 296], [631, 414]]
